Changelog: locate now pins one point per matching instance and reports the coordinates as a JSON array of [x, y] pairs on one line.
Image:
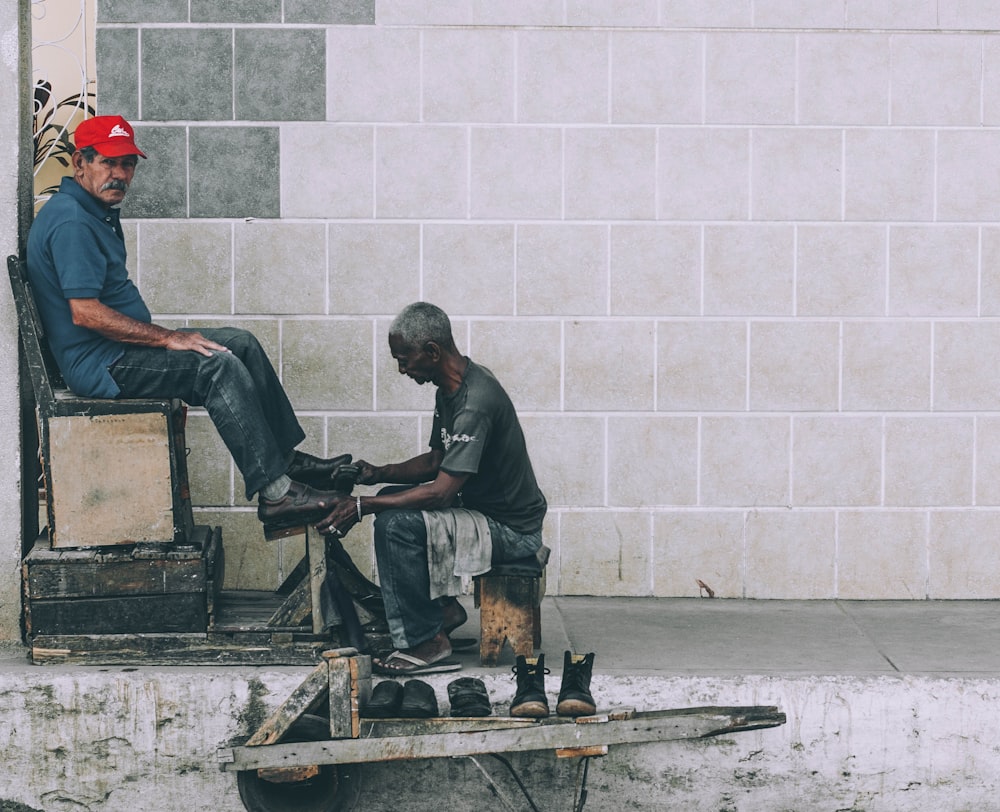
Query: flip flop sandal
[[468, 697], [419, 701], [412, 665], [385, 701], [463, 643]]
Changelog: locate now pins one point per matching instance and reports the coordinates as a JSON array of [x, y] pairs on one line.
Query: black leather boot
[[529, 700], [574, 693]]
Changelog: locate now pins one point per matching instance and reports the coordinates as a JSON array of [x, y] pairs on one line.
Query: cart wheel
[[327, 788]]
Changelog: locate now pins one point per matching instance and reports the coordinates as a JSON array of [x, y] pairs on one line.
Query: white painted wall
[[13, 59]]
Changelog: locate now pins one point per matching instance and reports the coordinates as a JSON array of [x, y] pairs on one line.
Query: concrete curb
[[127, 739]]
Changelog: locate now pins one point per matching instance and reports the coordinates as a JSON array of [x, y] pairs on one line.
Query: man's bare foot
[[453, 616]]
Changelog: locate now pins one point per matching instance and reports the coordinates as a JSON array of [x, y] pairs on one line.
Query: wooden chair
[[509, 598], [115, 471], [121, 556]]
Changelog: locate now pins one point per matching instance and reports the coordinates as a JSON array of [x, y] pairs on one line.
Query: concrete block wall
[[736, 262]]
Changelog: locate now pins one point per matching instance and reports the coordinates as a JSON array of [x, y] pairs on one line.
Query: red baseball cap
[[112, 136]]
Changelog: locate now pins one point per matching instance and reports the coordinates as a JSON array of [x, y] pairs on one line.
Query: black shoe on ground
[[574, 693], [529, 700], [468, 697], [419, 701], [386, 699]]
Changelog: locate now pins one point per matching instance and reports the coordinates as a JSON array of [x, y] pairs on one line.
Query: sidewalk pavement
[[705, 636]]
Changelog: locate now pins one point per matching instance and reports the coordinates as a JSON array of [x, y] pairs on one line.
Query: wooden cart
[[296, 753]]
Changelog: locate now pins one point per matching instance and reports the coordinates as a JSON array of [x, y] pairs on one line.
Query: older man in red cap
[[106, 346]]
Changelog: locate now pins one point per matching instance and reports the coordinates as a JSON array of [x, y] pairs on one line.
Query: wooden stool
[[509, 598]]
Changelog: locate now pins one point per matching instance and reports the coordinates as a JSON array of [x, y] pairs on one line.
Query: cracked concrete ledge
[[83, 739]]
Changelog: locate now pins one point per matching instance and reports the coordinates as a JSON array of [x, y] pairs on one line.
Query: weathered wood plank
[[316, 549], [390, 728], [81, 579], [361, 690], [171, 649], [127, 502], [296, 607], [294, 578], [599, 749], [134, 614], [343, 693], [307, 697], [676, 725]]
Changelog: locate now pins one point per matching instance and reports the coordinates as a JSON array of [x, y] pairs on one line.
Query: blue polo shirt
[[76, 250]]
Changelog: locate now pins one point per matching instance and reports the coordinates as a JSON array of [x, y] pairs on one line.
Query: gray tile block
[[235, 11], [330, 12], [235, 172], [142, 11], [158, 189], [187, 74], [280, 75], [118, 66]]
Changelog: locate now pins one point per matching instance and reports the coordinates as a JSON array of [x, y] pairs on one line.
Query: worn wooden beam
[[394, 728], [597, 749], [296, 608], [316, 550], [176, 649], [307, 697], [350, 690], [669, 725]]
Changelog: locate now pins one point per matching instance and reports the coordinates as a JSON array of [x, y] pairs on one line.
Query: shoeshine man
[[106, 346], [465, 504]]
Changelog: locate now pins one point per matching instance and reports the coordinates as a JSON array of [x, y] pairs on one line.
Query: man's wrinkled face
[[414, 362], [105, 178]]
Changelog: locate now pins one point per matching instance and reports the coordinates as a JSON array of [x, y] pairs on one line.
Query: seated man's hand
[[342, 518], [194, 341]]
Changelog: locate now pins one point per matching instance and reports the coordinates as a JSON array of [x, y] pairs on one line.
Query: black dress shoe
[[297, 509], [419, 700], [387, 697], [312, 470]]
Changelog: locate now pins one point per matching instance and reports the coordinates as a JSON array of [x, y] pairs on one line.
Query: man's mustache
[[116, 185]]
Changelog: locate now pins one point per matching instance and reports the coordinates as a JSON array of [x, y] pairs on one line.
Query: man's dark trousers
[[240, 391]]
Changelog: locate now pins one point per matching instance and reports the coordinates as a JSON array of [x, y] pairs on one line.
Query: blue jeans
[[239, 389], [401, 552]]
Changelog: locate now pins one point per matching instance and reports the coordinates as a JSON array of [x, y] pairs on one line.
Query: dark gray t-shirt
[[478, 430]]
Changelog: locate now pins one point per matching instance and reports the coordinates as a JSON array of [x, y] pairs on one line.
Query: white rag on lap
[[459, 546]]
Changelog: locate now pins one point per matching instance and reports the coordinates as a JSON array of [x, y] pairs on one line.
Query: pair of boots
[[574, 692]]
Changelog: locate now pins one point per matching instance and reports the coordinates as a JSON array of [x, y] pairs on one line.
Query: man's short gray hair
[[421, 322], [89, 153]]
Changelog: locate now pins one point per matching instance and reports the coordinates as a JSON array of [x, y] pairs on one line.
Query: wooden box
[[140, 589], [110, 479]]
